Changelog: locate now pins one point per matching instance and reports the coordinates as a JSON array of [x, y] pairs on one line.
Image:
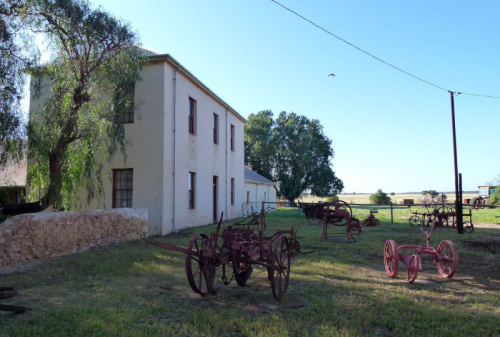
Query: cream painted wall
[[150, 154], [256, 195], [197, 153]]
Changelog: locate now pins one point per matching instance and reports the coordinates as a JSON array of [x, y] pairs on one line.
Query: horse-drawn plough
[[241, 248]]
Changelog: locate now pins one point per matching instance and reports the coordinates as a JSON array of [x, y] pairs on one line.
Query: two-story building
[[185, 163]]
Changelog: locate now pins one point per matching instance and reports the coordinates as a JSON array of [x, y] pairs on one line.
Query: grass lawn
[[134, 289]]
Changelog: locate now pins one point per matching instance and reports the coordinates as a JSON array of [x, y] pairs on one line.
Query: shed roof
[[254, 177]]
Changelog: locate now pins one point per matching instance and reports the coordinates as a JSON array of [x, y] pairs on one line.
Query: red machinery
[[340, 215], [446, 257], [371, 220], [241, 248]]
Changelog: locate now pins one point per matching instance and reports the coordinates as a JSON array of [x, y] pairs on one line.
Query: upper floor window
[[122, 188], [127, 116], [232, 137], [192, 176], [192, 115], [126, 112], [216, 128]]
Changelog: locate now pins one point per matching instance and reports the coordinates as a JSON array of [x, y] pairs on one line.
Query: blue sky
[[388, 130]]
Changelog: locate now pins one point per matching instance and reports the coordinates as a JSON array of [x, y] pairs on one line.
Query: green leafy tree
[[495, 196], [17, 52], [297, 154], [380, 198], [87, 83], [259, 146]]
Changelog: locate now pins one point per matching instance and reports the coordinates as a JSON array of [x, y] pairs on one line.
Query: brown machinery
[[339, 213], [241, 248], [444, 216]]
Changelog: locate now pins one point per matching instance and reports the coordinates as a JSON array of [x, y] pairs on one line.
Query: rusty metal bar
[[171, 247]]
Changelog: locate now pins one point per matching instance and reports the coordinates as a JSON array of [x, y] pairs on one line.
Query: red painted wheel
[[280, 267], [200, 270], [391, 258], [412, 270], [447, 262], [448, 259], [340, 220]]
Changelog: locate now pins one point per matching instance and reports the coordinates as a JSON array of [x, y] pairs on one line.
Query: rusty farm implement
[[339, 213], [240, 248], [445, 257], [444, 216]]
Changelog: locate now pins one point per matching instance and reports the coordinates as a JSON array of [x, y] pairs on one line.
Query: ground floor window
[[232, 191], [122, 188], [192, 176]]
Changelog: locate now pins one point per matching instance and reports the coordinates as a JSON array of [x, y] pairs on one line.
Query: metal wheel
[[310, 217], [391, 258], [200, 270], [364, 223], [468, 227], [412, 270], [241, 269], [447, 262], [280, 267], [415, 221], [338, 220], [294, 247]]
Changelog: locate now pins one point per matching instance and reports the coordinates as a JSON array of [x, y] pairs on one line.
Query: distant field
[[365, 198]]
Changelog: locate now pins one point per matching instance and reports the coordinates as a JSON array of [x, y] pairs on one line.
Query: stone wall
[[39, 235]]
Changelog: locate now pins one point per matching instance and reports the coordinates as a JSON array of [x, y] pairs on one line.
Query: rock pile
[[39, 235]]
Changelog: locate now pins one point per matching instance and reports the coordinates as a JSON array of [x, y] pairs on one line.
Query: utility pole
[[458, 185]]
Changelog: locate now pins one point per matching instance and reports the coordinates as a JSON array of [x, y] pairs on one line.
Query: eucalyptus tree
[[293, 151], [88, 81]]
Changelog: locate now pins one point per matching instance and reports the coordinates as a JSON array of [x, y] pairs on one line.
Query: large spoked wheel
[[412, 270], [310, 217], [280, 267], [242, 270], [200, 270], [391, 258], [447, 262], [415, 221], [468, 227], [338, 220]]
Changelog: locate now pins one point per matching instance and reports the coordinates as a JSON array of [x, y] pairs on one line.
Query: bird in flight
[[332, 74]]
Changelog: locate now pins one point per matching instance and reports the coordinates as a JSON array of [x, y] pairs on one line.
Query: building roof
[[254, 177], [14, 174], [155, 55]]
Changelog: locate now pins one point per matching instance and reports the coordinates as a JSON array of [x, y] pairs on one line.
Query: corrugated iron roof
[[252, 176]]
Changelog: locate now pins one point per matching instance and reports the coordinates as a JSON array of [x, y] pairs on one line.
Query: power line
[[376, 58]]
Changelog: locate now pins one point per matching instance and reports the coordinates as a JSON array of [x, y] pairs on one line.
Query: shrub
[[380, 198], [433, 193], [332, 198], [392, 193], [495, 198]]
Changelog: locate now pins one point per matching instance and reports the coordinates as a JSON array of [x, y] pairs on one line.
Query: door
[[215, 198]]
